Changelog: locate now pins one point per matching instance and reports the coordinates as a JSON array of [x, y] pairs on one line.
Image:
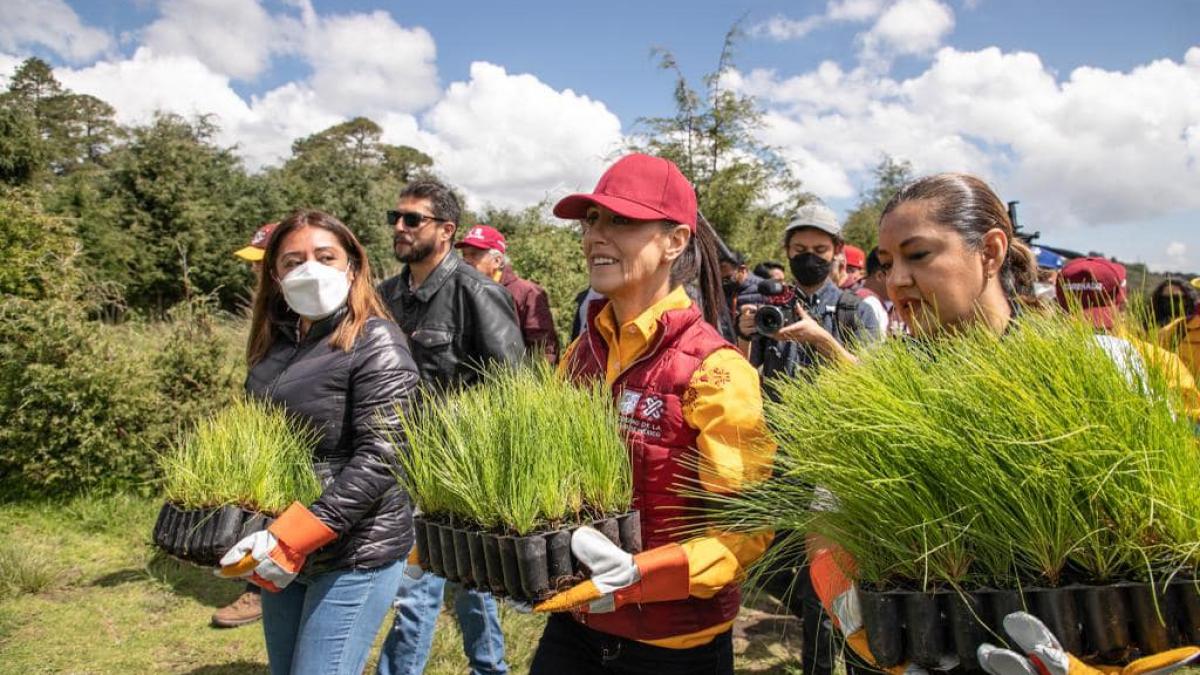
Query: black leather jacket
[[456, 321], [348, 397]]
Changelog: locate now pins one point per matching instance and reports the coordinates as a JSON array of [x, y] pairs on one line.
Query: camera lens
[[768, 320]]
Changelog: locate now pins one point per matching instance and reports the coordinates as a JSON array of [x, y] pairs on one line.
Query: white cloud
[[899, 28], [51, 24], [782, 28], [908, 27], [138, 86], [1096, 147], [232, 37], [511, 140], [361, 63], [854, 10], [369, 63]]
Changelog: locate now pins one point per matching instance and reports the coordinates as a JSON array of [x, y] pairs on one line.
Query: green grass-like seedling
[[522, 451], [251, 454], [1037, 457]]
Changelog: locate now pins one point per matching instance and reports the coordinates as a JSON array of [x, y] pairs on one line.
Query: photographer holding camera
[[799, 326], [793, 329]]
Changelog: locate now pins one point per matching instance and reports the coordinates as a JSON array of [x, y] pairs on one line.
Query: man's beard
[[417, 252]]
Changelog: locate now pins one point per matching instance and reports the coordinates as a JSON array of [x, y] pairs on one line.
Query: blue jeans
[[418, 604], [326, 624]]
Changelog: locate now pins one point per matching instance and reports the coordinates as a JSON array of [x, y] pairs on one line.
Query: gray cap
[[814, 215]]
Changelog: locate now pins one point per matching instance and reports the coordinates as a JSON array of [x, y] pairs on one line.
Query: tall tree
[[171, 211], [85, 130], [73, 130], [862, 224], [744, 187]]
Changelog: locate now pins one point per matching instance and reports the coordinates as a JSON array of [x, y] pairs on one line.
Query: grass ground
[[81, 591]]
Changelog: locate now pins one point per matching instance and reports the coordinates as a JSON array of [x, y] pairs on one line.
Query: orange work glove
[[272, 558], [619, 578]]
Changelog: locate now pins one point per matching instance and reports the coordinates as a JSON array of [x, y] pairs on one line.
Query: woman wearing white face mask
[[320, 345]]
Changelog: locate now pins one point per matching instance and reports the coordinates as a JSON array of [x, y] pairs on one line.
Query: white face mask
[[314, 291]]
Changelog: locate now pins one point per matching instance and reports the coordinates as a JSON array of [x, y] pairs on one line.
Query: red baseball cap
[[640, 187], [1097, 284], [485, 237], [257, 248], [854, 256]]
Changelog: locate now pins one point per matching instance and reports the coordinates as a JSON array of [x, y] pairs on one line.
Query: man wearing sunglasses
[[457, 321]]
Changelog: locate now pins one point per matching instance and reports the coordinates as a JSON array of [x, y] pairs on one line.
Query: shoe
[[246, 609]]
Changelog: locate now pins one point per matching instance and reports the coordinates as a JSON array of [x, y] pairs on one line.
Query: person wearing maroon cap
[[691, 410], [1096, 287], [485, 249]]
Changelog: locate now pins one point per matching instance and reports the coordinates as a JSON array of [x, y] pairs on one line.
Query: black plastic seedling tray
[[1111, 624], [529, 569], [202, 536]]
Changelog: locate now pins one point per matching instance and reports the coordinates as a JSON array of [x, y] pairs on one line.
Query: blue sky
[[842, 81]]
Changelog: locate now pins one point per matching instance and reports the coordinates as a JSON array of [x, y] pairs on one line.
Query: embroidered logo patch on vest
[[644, 418], [652, 408]]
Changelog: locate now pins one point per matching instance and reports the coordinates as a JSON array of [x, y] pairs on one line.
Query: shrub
[[522, 451], [80, 411], [32, 245], [198, 359], [86, 404], [249, 454]]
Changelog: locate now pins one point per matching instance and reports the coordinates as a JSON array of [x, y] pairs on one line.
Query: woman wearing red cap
[[690, 407]]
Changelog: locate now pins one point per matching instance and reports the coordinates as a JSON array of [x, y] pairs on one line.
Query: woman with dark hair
[[321, 347], [1174, 304], [951, 260], [1171, 300], [691, 411], [947, 248]]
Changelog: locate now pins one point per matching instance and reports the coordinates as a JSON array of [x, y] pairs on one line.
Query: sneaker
[[246, 609]]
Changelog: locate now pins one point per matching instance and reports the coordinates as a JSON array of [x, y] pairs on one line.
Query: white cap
[[814, 215]]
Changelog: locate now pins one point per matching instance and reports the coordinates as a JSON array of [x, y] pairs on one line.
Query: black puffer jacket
[[348, 397], [457, 320]]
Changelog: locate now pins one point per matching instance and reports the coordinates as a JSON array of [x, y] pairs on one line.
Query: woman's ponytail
[[698, 267]]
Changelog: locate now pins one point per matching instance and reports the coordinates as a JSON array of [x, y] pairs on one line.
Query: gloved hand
[[618, 578], [1045, 656], [271, 558], [828, 569]]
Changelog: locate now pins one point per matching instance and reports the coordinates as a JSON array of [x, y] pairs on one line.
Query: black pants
[[569, 647]]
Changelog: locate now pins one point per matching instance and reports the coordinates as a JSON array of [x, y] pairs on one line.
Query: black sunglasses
[[412, 219]]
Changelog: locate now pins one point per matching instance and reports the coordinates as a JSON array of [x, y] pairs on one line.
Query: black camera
[[777, 309]]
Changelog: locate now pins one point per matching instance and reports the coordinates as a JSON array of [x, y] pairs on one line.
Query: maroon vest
[[649, 394]]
